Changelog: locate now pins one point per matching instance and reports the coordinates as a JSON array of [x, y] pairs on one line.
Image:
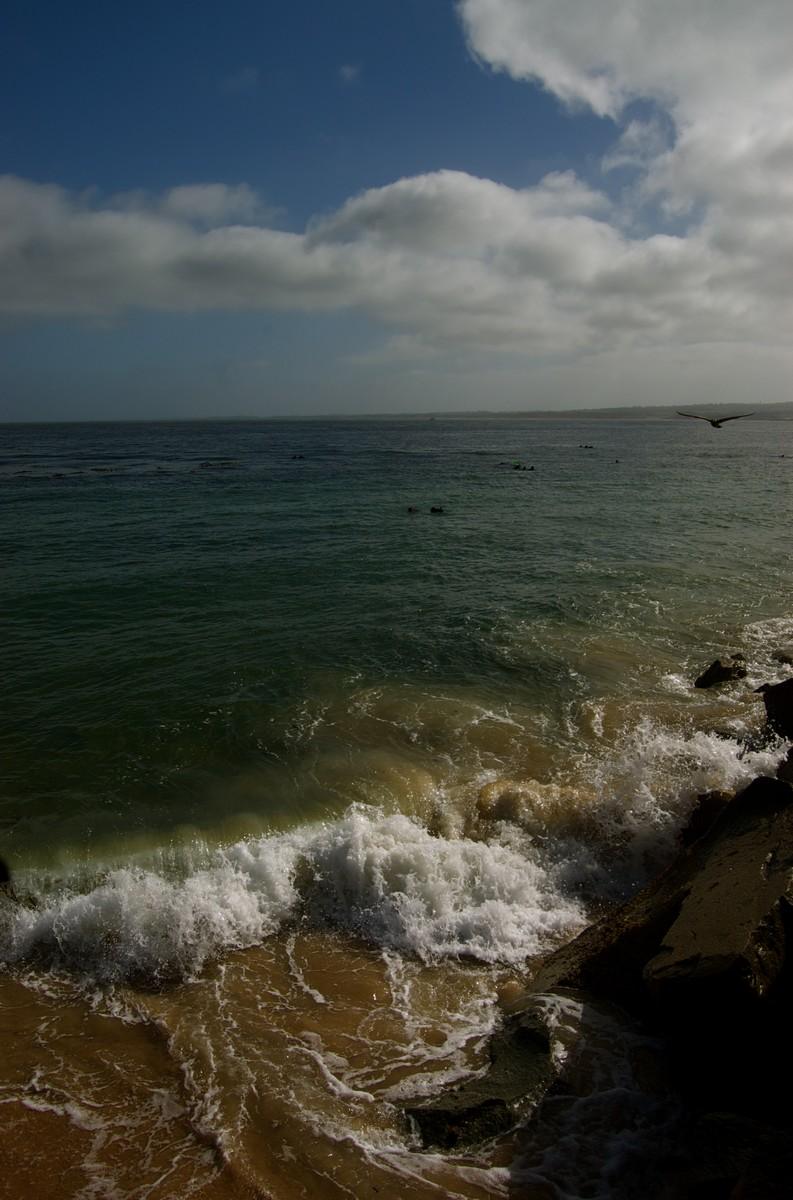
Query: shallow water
[[296, 780]]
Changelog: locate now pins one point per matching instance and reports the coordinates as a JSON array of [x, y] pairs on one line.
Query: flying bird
[[716, 422]]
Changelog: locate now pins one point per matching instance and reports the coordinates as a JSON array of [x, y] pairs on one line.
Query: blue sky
[[392, 205]]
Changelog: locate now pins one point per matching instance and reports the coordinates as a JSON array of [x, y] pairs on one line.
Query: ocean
[[301, 776]]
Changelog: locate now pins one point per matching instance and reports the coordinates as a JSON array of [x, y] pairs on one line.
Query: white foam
[[771, 630], [763, 640], [610, 1106], [139, 924], [393, 882], [298, 975], [610, 819], [387, 879], [652, 775], [676, 682], [381, 877]]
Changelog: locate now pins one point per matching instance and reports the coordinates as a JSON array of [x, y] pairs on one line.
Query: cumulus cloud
[[451, 258], [691, 54], [640, 144], [720, 70], [212, 202], [446, 259]]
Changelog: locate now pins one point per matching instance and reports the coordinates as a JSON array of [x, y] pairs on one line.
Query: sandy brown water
[[281, 1070], [279, 1073]]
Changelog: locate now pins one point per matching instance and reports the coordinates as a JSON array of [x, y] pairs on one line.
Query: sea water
[[300, 775]]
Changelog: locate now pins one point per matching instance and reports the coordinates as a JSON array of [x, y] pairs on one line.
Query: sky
[[384, 206]]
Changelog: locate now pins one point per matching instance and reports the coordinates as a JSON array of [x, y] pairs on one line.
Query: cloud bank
[[449, 260]]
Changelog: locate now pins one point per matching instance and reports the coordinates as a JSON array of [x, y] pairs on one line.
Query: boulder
[[700, 957], [709, 806], [521, 1070], [784, 654], [778, 699], [712, 923], [722, 671], [727, 942], [785, 768]]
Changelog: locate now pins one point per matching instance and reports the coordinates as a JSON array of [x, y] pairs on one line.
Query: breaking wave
[[384, 878], [509, 882]]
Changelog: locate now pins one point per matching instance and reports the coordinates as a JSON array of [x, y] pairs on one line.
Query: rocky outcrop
[[711, 929], [722, 671], [702, 958], [695, 972], [743, 870], [778, 699]]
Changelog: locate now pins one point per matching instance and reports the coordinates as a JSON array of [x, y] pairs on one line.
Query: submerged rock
[[521, 1070], [579, 1069], [721, 671]]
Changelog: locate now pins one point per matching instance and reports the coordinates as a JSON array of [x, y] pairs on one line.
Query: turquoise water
[[191, 605]]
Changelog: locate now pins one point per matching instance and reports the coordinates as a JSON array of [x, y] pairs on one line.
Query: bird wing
[[696, 416], [737, 417]]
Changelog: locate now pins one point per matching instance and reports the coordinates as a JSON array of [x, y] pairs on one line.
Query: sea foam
[[384, 878], [387, 879]]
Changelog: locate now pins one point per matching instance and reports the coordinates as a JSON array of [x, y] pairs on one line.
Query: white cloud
[[447, 260], [212, 203], [720, 69], [640, 143], [690, 54]]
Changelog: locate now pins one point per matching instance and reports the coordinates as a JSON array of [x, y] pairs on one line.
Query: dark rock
[[720, 671], [778, 699], [783, 655], [520, 1072], [700, 957], [710, 805], [785, 769], [713, 913], [704, 957], [607, 958], [719, 984], [768, 1175], [715, 1153]]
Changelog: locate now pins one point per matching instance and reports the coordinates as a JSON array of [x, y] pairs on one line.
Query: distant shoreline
[[763, 412]]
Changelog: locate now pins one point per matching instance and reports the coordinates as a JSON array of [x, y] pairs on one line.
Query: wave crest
[[384, 878]]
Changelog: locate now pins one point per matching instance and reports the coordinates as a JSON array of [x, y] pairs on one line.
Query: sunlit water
[[296, 779]]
